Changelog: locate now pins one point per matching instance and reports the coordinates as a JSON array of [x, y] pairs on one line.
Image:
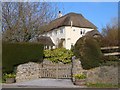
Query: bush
[[59, 55], [10, 75], [89, 52], [18, 53], [80, 76]]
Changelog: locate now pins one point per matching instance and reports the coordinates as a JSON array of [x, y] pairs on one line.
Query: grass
[[102, 85]]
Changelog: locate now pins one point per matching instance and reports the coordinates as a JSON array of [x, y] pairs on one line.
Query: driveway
[[44, 83]]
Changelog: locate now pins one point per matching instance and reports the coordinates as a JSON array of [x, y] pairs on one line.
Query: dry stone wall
[[27, 72], [103, 74]]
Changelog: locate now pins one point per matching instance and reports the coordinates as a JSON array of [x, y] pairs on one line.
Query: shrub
[[18, 53], [80, 76], [88, 50], [10, 75], [59, 55]]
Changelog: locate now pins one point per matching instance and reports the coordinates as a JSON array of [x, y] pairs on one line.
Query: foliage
[[80, 76], [89, 52], [10, 75], [110, 34], [18, 53], [58, 55]]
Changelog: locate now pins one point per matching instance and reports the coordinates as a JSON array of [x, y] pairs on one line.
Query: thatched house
[[67, 29]]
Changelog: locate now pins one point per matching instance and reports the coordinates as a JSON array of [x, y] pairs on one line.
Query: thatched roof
[[77, 20], [93, 33], [44, 40]]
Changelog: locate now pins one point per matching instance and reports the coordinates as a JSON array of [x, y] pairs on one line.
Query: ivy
[[59, 55]]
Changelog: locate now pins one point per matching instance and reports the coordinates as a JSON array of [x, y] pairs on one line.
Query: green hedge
[[18, 53], [88, 50]]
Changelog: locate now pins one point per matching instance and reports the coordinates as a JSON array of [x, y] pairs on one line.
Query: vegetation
[[10, 75], [101, 85], [110, 34], [58, 55], [80, 76], [22, 21], [89, 52], [17, 53]]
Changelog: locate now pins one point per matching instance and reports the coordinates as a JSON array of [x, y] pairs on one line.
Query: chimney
[[59, 14]]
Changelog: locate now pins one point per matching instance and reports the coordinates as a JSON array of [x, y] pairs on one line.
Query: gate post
[[57, 71]]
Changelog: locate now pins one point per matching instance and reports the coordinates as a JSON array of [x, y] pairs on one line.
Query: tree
[[110, 34], [22, 20]]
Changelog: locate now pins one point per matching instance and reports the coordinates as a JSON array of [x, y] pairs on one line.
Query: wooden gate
[[55, 70]]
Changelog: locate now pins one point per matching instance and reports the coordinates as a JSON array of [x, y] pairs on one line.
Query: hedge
[[14, 54], [89, 52]]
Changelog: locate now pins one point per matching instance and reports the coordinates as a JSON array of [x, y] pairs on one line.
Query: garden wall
[[46, 69], [103, 74]]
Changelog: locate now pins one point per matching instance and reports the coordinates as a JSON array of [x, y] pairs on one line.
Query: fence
[[110, 51]]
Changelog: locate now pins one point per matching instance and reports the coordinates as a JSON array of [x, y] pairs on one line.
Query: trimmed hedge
[[18, 53], [89, 52]]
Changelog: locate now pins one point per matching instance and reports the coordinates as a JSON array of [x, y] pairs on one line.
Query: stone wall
[[77, 68], [104, 74], [31, 70], [27, 72]]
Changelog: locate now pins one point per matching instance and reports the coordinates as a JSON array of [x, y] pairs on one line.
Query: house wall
[[73, 34], [56, 35], [70, 34]]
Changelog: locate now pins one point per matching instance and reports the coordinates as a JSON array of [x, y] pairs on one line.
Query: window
[[81, 32], [61, 30], [56, 32], [50, 33], [84, 32]]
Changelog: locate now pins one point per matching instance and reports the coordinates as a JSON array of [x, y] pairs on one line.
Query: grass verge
[[102, 85]]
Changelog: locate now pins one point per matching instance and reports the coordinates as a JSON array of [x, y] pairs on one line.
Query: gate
[[55, 70]]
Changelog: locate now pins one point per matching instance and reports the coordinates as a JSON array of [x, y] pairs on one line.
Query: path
[[43, 83]]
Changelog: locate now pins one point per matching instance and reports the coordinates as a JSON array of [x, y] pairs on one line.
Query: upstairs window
[[50, 33], [56, 32], [81, 32], [61, 30], [73, 29]]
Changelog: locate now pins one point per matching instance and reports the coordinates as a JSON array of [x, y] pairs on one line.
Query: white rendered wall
[[73, 34], [70, 34], [52, 34]]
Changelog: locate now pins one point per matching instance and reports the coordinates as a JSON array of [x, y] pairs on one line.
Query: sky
[[99, 13]]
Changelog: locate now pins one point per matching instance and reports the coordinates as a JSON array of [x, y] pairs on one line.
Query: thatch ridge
[[77, 19]]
